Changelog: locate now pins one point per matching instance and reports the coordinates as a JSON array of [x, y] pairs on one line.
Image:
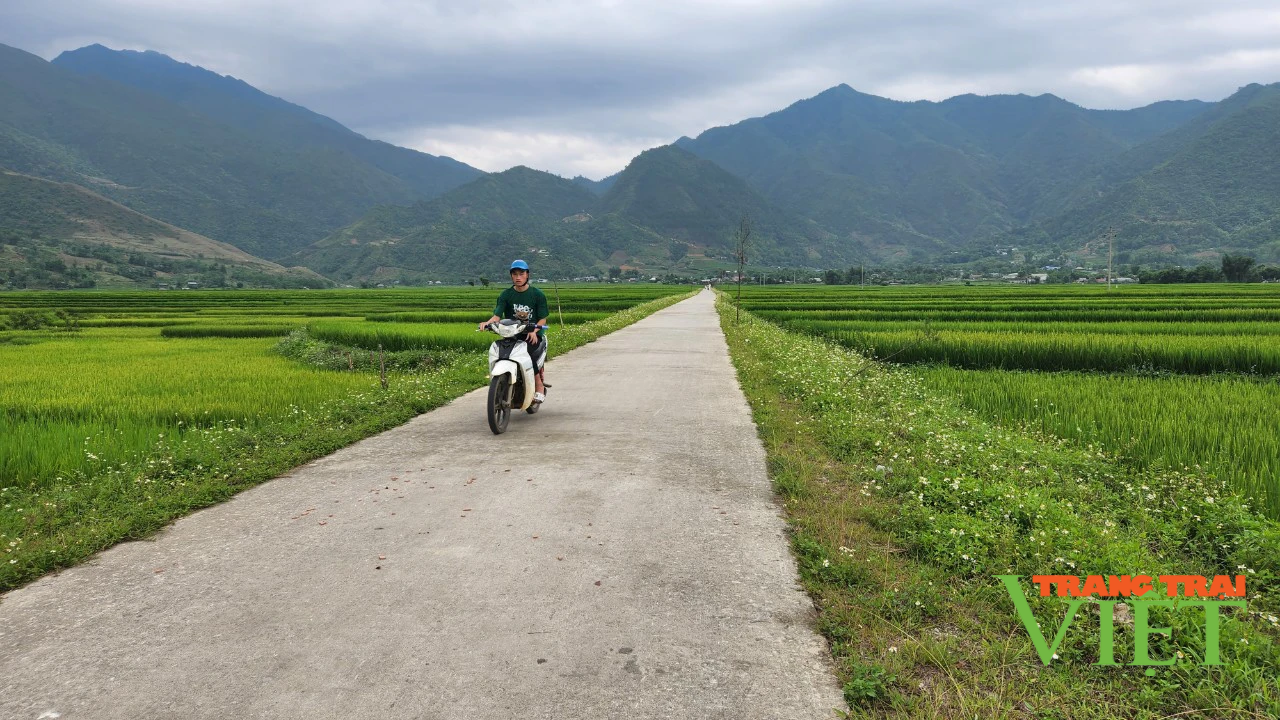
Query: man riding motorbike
[[527, 304]]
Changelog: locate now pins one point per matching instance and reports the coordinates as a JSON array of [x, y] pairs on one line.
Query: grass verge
[[903, 507], [46, 527]]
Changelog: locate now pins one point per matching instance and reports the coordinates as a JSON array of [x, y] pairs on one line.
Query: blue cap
[[519, 265]]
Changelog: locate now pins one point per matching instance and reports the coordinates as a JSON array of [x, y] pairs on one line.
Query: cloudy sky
[[581, 86]]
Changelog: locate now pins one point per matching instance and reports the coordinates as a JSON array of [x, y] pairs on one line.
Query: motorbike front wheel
[[499, 404]]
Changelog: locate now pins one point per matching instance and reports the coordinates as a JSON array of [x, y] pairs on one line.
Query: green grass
[[903, 505]]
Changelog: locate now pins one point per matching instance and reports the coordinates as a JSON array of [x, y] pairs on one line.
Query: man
[[527, 304]]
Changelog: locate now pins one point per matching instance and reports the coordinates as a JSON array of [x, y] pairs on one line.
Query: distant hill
[[58, 235], [681, 196], [910, 180], [846, 177], [667, 211], [1209, 187], [477, 229], [239, 182], [599, 187]]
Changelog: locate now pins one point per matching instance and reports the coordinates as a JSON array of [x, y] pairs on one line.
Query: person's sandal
[[539, 397]]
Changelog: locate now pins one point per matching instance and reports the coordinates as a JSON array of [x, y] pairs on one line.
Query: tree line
[[1234, 268]]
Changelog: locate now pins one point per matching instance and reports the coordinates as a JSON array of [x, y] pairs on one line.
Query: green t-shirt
[[528, 306]]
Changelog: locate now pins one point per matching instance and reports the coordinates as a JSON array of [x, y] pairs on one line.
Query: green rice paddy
[[1165, 375], [120, 411]]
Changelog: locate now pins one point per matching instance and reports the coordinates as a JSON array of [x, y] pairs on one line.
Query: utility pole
[[864, 275], [1111, 246], [558, 310], [743, 235]]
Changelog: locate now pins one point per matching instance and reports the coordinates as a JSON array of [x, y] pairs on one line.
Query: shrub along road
[[618, 554]]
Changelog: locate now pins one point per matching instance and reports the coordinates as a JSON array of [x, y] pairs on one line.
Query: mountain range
[[917, 178], [668, 211], [836, 179], [201, 151]]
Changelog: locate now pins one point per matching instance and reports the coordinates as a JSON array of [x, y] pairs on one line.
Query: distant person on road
[[527, 304]]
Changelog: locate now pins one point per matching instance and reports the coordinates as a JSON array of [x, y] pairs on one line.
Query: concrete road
[[618, 555]]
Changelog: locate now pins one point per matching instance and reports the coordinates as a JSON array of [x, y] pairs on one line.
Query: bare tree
[[741, 239]]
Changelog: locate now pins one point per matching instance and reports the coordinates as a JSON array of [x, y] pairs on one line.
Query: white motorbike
[[511, 373]]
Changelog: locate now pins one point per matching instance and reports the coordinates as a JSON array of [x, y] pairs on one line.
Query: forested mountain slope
[[236, 103], [180, 165], [477, 229], [1213, 186], [924, 176], [57, 235]]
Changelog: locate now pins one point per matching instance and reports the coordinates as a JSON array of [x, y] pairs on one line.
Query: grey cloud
[[618, 72]]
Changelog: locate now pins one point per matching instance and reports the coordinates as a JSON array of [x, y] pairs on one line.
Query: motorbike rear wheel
[[499, 405]]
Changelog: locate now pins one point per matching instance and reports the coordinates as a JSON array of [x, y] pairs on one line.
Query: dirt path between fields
[[618, 555]]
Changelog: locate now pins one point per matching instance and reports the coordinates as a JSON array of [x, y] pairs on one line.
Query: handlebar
[[528, 327]]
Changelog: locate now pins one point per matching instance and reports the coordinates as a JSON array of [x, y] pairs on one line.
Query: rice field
[[81, 402], [1165, 375], [447, 316], [1035, 349], [147, 364], [903, 505], [1223, 423], [398, 336], [121, 411]]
